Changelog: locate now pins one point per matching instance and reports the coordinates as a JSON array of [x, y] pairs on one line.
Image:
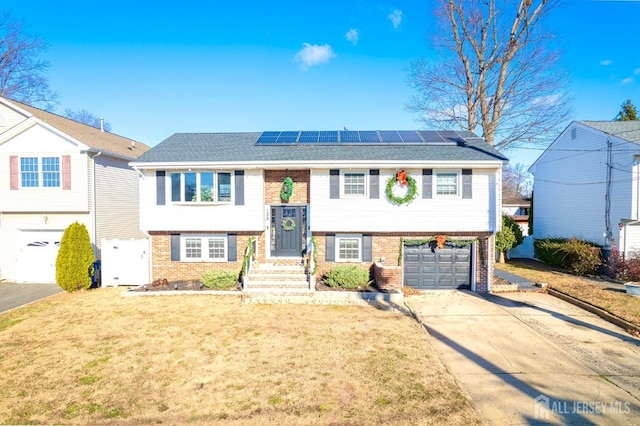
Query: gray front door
[[289, 224]]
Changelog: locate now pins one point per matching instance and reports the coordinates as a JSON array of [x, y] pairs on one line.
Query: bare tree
[[516, 182], [22, 73], [85, 117], [497, 72]]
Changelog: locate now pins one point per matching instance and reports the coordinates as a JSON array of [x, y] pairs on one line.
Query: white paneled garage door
[[429, 268], [37, 258]]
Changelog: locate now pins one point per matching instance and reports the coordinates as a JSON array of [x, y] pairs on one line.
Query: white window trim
[[40, 172], [204, 247], [339, 237], [366, 183], [458, 174], [198, 185]]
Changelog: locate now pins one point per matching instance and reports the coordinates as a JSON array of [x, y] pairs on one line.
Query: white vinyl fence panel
[[125, 262]]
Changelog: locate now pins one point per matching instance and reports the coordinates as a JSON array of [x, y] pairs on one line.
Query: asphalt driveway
[[13, 295], [530, 358]]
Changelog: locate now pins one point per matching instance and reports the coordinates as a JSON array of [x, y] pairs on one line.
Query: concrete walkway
[[14, 295], [529, 358]]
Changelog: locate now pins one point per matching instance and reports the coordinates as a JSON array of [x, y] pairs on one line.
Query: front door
[[289, 225]]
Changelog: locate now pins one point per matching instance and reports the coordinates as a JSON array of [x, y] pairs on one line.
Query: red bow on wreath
[[401, 177]]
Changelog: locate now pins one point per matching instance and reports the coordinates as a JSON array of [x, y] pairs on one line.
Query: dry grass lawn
[[95, 357], [595, 291]]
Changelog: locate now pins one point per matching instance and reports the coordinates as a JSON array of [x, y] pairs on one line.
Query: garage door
[[38, 252], [446, 268]]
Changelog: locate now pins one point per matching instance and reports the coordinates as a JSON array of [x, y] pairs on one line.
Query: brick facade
[[273, 184]]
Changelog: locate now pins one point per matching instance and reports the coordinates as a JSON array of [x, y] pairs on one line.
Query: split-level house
[[419, 208], [53, 172], [587, 185]]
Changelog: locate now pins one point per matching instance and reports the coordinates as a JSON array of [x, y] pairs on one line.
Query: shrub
[[219, 279], [623, 269], [509, 222], [74, 264], [349, 277], [578, 257]]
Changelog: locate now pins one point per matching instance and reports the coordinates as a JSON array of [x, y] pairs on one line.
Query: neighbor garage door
[[446, 268], [38, 252]]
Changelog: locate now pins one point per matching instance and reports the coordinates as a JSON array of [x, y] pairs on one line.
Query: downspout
[[93, 211]]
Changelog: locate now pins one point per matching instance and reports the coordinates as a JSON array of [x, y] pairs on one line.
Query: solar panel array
[[363, 137]]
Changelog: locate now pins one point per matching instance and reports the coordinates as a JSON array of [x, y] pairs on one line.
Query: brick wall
[[273, 184], [163, 267]]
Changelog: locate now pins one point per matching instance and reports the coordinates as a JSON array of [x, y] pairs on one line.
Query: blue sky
[[154, 68]]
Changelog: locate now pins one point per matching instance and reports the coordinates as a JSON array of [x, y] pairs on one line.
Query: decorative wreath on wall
[[287, 189], [288, 224], [401, 188]]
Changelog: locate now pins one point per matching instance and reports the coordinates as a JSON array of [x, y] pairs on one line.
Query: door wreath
[[288, 224]]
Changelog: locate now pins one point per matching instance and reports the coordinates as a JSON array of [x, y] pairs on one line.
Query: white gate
[[125, 262]]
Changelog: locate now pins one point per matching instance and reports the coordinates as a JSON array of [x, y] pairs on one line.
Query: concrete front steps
[[272, 278]]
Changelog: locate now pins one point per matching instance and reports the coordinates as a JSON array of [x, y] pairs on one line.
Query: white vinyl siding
[[570, 190], [219, 217], [348, 214], [117, 200]]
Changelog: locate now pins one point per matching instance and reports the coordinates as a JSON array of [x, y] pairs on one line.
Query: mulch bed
[[182, 285]]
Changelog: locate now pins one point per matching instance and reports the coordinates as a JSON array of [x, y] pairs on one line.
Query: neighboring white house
[[55, 171], [518, 209], [205, 197], [587, 185]]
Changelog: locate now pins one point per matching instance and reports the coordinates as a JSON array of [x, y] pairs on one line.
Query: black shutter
[[466, 183], [427, 183], [160, 187], [330, 248], [367, 248], [334, 183], [239, 187], [175, 247], [232, 247], [374, 183]]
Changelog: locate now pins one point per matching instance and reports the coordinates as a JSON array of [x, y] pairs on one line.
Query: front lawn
[[595, 291], [95, 357]]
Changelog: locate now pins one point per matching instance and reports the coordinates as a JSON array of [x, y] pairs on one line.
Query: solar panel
[[369, 136], [451, 136], [410, 136], [390, 136], [431, 136], [349, 136], [328, 136], [309, 136], [444, 137]]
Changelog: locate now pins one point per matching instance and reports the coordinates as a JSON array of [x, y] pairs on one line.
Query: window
[[200, 187], [354, 184], [348, 248], [211, 248], [447, 183], [31, 176]]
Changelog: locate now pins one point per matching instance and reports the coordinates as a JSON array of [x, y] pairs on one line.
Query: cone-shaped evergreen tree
[[74, 264]]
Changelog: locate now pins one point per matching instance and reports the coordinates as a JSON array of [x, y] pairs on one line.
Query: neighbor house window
[[354, 184], [34, 176], [210, 248], [447, 183], [201, 187], [348, 248]]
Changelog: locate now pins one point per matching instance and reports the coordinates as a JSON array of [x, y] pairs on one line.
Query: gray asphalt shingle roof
[[241, 147], [628, 130]]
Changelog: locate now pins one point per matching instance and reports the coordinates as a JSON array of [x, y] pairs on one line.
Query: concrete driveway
[[530, 358], [13, 295]]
